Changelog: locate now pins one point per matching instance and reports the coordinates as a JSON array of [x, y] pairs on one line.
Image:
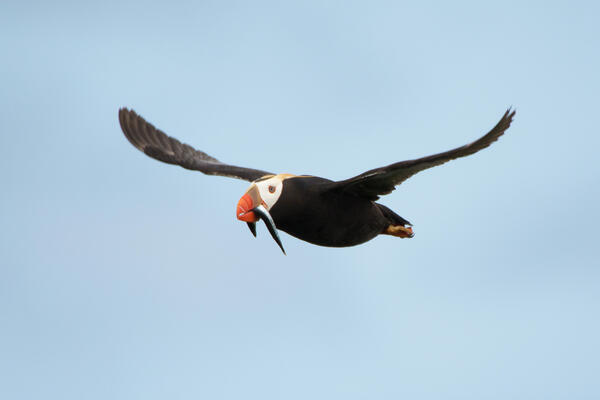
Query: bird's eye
[[271, 189]]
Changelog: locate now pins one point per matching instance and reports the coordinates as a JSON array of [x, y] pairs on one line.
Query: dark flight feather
[[158, 145], [381, 181]]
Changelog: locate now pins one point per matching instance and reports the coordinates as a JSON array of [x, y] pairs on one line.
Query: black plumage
[[381, 181], [317, 210], [310, 210], [158, 145]]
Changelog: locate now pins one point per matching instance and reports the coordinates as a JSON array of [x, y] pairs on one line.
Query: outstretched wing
[[158, 145], [380, 181]]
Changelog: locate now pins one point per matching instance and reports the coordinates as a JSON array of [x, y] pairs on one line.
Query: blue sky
[[126, 278]]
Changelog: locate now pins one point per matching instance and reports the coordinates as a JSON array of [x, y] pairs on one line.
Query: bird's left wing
[[158, 145], [381, 181]]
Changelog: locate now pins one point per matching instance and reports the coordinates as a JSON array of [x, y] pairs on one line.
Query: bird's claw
[[399, 231]]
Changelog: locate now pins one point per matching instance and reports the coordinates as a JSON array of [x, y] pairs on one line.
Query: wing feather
[[158, 145], [381, 181]]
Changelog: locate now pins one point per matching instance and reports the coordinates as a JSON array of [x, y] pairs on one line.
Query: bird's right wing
[[158, 145], [381, 181]]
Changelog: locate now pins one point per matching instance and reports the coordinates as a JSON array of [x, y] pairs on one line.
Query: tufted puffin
[[317, 210]]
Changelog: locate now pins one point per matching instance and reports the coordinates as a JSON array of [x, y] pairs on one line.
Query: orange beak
[[251, 208], [247, 203]]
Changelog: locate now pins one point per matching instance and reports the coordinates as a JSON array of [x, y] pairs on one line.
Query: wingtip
[[510, 112], [508, 116], [126, 118], [125, 110]]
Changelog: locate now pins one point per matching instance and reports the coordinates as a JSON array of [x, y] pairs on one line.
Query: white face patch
[[270, 190]]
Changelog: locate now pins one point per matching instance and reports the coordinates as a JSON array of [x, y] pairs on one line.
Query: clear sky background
[[125, 278]]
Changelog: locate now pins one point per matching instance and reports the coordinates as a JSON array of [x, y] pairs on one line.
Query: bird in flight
[[317, 210]]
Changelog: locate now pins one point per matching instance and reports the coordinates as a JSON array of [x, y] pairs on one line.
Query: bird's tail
[[394, 218]]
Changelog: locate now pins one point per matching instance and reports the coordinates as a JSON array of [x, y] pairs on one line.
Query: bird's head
[[255, 204], [264, 191]]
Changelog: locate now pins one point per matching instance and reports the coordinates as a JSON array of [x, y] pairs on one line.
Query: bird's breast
[[325, 218]]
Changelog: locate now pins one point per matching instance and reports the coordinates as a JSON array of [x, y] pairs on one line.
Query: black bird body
[[317, 210], [309, 210]]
